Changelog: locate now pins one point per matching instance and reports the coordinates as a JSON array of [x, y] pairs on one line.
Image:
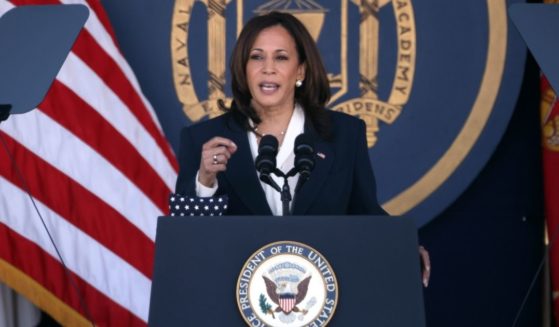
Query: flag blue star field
[[197, 206]]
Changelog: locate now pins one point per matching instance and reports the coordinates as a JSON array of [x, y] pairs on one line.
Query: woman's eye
[[255, 57], [282, 58]]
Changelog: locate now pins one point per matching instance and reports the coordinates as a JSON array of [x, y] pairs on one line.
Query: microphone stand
[[267, 166], [285, 197], [285, 190]]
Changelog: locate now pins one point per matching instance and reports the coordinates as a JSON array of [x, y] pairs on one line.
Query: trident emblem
[[367, 106]]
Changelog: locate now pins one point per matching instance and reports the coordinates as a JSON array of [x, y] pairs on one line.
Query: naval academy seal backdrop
[[437, 83]]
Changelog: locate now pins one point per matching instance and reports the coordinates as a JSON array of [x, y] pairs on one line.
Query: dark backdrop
[[486, 247]]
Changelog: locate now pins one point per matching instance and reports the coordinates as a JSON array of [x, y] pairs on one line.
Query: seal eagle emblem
[[287, 284], [287, 290]]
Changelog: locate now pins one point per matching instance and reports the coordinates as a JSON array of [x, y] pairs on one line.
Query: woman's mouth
[[268, 87]]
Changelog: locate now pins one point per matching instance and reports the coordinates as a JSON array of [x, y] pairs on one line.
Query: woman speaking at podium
[[280, 89]]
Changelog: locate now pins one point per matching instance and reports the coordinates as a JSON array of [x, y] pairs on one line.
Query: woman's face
[[272, 69]]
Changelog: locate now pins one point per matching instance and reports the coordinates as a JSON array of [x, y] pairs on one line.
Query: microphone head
[[267, 150], [304, 155], [268, 145], [303, 145]]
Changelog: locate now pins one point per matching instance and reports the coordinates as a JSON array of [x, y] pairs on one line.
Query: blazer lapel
[[241, 172], [324, 157]]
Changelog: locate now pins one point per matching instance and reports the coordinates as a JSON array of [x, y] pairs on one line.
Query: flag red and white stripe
[[100, 170]]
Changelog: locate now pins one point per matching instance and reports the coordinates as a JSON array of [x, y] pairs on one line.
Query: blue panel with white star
[[180, 205]]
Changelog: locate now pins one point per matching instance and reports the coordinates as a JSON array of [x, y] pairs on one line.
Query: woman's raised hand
[[215, 156]]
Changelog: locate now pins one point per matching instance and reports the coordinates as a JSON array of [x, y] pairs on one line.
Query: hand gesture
[[215, 156]]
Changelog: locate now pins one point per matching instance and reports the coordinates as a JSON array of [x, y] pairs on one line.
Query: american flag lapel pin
[[321, 155]]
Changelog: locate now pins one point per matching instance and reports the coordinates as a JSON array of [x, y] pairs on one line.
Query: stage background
[[484, 225], [485, 247]]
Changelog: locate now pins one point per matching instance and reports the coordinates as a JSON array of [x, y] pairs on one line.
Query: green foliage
[[264, 305]]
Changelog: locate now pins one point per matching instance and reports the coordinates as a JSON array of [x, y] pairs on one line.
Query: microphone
[[304, 158], [266, 160]]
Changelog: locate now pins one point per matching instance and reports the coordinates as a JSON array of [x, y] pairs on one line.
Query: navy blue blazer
[[342, 181]]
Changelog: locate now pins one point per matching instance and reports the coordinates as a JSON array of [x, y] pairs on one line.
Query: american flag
[[100, 170]]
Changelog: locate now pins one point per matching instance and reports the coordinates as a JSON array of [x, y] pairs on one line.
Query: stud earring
[[299, 82]]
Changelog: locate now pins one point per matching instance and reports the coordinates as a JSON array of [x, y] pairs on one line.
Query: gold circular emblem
[[368, 107]]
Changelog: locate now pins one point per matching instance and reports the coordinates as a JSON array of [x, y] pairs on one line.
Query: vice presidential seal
[[287, 284]]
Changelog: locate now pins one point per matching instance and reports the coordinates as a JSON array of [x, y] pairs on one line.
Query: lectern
[[201, 261]]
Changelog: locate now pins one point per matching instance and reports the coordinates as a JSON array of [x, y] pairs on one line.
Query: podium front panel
[[198, 261]]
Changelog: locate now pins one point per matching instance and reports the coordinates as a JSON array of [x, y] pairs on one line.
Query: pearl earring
[[298, 83]]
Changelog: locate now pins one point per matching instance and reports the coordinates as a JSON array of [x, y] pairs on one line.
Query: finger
[[222, 153], [219, 141], [219, 152], [426, 277], [223, 158], [426, 264], [232, 148], [216, 159]]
